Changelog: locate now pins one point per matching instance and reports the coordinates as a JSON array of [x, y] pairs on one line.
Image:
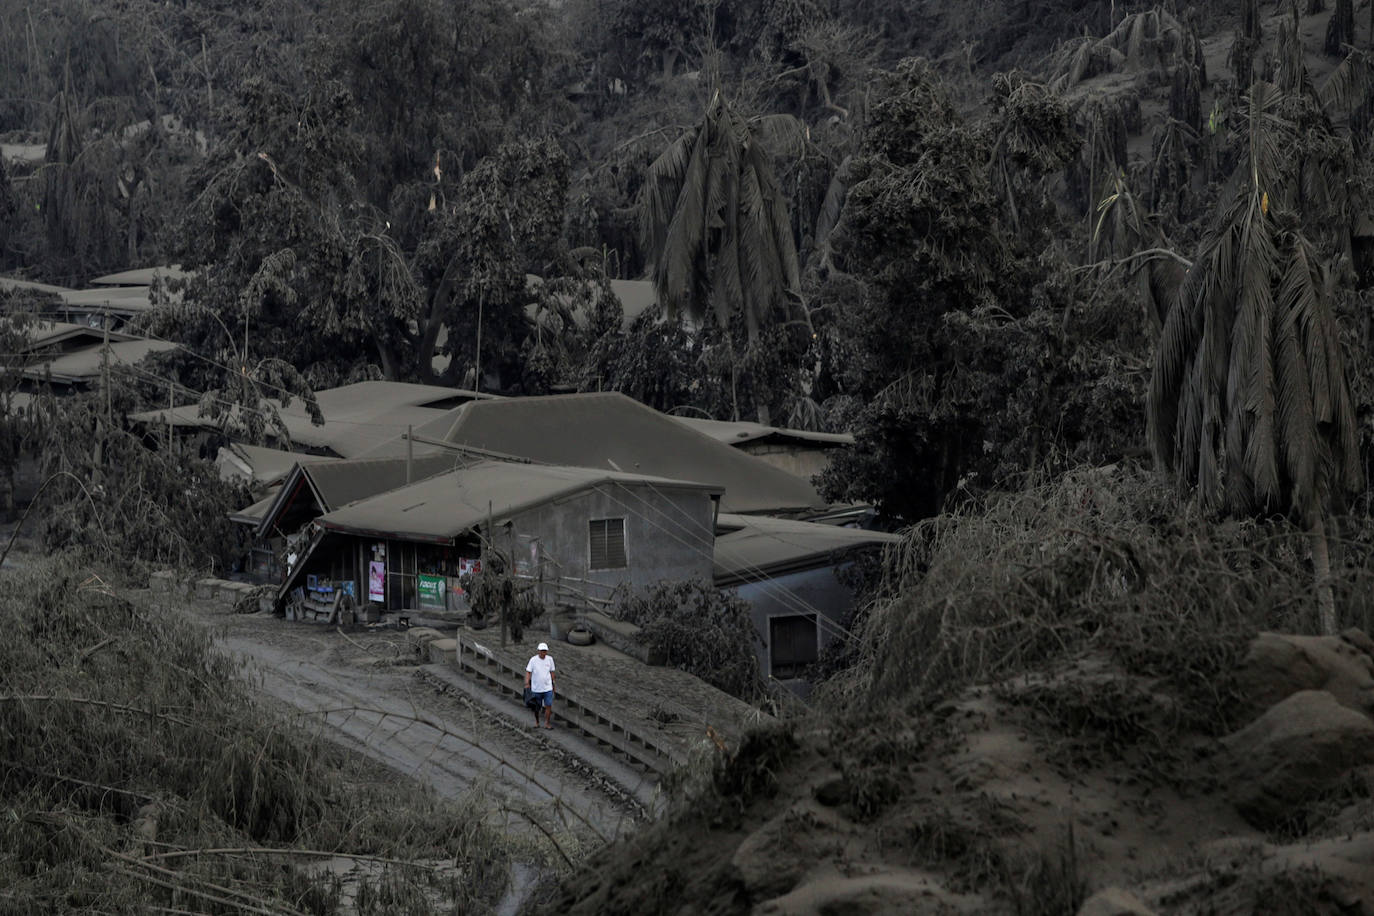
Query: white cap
[[543, 647]]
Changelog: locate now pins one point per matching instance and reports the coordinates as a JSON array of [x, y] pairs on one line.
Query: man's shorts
[[546, 696]]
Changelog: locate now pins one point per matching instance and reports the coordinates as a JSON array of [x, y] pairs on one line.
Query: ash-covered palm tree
[[1249, 400], [715, 223]]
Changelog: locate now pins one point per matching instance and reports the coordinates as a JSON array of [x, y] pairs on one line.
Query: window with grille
[[792, 644], [608, 543]]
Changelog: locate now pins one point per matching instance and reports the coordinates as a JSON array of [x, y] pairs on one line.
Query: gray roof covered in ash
[[118, 299], [738, 433], [265, 465], [85, 365], [343, 482], [608, 430], [357, 418], [444, 506], [8, 283], [58, 333], [749, 547], [253, 515], [337, 483], [140, 276]]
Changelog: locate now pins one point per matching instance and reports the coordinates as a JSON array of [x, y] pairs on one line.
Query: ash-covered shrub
[[140, 773], [1112, 560], [699, 629]]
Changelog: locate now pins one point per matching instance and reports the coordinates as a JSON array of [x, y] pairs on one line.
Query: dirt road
[[368, 692]]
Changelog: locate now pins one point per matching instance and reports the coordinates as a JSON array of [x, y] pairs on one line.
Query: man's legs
[[548, 711]]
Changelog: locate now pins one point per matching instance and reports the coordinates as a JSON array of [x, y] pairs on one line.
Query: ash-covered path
[[367, 692]]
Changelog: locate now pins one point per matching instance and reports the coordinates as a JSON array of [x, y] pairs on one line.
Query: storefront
[[405, 575]]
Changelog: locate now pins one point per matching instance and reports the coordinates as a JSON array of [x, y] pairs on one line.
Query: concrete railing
[[604, 727]]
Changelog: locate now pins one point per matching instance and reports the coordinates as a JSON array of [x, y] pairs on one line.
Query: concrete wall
[[171, 588], [809, 591], [668, 535], [803, 462]]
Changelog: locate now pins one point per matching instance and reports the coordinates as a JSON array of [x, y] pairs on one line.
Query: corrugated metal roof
[[358, 417], [736, 433], [758, 546], [270, 465], [140, 276], [337, 483], [51, 333], [446, 505], [85, 365], [612, 431]]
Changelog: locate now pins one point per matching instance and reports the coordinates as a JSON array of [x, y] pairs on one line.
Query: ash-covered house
[[314, 486], [597, 491], [797, 451], [793, 574], [576, 534], [358, 418]]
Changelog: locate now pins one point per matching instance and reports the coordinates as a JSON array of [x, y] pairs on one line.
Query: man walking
[[539, 679]]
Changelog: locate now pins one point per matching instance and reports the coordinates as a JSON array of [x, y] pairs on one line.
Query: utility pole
[[500, 602], [105, 365], [477, 358], [103, 425]]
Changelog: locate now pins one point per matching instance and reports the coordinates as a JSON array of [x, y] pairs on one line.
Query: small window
[[608, 543], [792, 645]]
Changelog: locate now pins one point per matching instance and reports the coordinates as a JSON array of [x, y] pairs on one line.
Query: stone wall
[[619, 635], [169, 587]]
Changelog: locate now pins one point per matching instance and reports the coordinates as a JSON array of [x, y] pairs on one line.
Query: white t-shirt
[[541, 673]]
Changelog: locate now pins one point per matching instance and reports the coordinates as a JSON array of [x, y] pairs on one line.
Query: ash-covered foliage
[[700, 629], [139, 774], [1110, 560], [118, 498]]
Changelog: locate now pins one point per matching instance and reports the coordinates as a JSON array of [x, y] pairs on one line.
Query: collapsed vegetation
[[141, 773], [1039, 707]]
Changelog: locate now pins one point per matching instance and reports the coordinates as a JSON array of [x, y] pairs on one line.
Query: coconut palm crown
[[715, 222], [1249, 400]]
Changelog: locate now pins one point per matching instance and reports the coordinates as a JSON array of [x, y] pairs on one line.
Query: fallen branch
[[270, 851], [85, 656], [56, 777], [87, 701], [262, 907], [542, 829], [245, 902]]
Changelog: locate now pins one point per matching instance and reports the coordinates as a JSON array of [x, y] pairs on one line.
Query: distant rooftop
[[738, 432], [751, 547], [82, 366], [446, 505], [358, 417], [609, 430]]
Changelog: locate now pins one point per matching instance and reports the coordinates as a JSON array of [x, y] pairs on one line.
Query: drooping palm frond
[[662, 187], [1249, 400], [715, 222], [1140, 40], [1349, 84], [1252, 473], [831, 209]]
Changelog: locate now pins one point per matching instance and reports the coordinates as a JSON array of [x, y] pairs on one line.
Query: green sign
[[431, 589]]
